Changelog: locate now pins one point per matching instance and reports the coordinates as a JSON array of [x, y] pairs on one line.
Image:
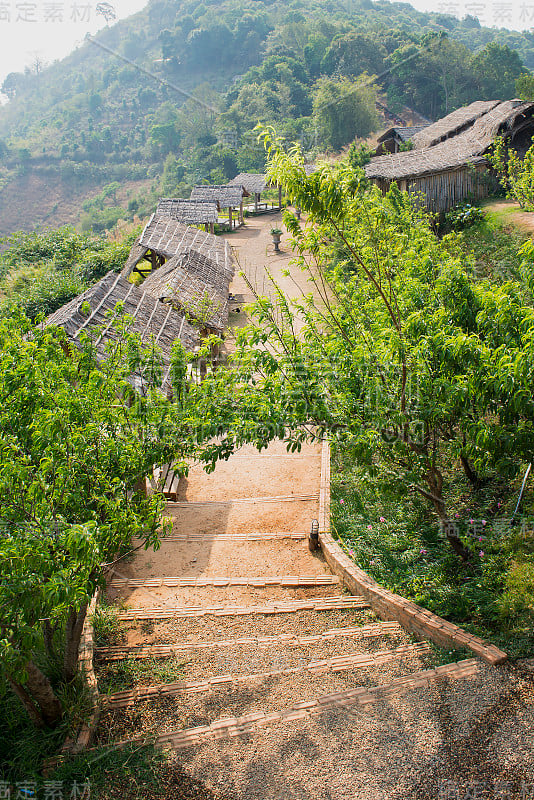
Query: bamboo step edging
[[130, 697], [286, 639], [231, 537], [229, 727], [285, 581], [282, 498], [340, 602]]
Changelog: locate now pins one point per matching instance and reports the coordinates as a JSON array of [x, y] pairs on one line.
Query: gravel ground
[[400, 749], [298, 623], [247, 659], [265, 694]]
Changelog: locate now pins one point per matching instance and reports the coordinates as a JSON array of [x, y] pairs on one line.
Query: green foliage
[[39, 272], [114, 676], [344, 111], [463, 216], [516, 174], [525, 86]]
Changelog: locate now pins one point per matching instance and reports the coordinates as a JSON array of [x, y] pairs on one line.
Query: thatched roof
[[190, 212], [452, 124], [153, 321], [254, 183], [136, 254], [168, 237], [403, 133], [466, 148], [227, 196], [193, 283]]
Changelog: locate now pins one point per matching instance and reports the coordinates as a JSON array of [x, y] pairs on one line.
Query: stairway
[[236, 638]]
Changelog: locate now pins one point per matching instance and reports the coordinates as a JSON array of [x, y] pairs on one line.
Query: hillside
[[74, 133]]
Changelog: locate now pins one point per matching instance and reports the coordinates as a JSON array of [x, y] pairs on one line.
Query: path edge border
[[386, 604]]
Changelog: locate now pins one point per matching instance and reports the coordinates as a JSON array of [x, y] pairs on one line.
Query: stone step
[[207, 627], [190, 719], [318, 667], [217, 557], [144, 596], [377, 629]]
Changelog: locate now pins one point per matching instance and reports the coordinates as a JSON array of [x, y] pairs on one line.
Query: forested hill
[[93, 138]]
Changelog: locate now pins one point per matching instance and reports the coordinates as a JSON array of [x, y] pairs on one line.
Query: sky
[[50, 29]]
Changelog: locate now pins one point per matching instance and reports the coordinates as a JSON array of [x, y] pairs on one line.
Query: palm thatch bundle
[[453, 124], [402, 133], [167, 237], [194, 285], [155, 323], [189, 212]]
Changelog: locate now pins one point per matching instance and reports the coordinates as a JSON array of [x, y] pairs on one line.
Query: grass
[[396, 539], [114, 676], [495, 243], [24, 747], [107, 628], [134, 772]]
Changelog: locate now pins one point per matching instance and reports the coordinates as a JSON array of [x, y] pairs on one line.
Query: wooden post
[[230, 216], [256, 199], [212, 227], [241, 218]]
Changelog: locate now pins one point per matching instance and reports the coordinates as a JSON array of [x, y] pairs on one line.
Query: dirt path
[[508, 212], [264, 678]]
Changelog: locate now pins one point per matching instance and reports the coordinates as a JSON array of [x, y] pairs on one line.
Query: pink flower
[[484, 522], [456, 515], [480, 538], [481, 554], [382, 519], [499, 504], [471, 521], [423, 551], [369, 527], [341, 501], [372, 562]]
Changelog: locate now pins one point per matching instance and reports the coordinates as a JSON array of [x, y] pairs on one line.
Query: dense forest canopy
[[95, 117]]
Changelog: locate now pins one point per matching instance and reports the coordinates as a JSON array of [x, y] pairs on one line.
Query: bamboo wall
[[444, 190]]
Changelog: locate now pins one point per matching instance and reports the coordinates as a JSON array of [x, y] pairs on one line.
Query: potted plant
[[276, 233]]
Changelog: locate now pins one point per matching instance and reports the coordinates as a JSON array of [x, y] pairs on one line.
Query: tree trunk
[[48, 636], [33, 712], [471, 474], [43, 695], [434, 479], [73, 633]]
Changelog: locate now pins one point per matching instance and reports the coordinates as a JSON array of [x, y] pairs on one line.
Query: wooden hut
[[256, 183], [227, 196], [192, 284], [154, 322], [190, 212], [164, 237], [453, 170], [392, 140]]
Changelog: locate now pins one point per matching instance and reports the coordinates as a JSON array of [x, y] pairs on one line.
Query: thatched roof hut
[[253, 182], [189, 212], [392, 139], [448, 172], [453, 124], [164, 237], [228, 196], [153, 321], [193, 284], [225, 196]]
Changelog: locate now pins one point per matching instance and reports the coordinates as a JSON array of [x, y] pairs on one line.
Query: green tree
[[344, 111], [497, 68], [525, 86], [76, 442]]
